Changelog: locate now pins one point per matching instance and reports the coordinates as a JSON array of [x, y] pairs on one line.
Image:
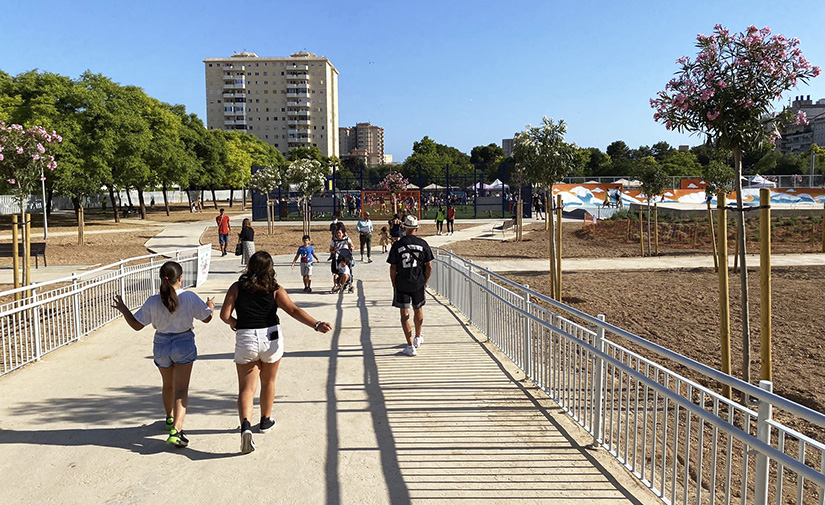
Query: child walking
[[384, 239], [306, 252], [171, 312]]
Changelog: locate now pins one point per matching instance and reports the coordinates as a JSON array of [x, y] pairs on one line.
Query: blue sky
[[465, 73]]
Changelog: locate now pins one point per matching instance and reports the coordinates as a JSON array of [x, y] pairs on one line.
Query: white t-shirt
[[343, 270], [190, 306]]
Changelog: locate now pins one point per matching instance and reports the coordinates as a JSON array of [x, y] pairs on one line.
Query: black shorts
[[408, 300]]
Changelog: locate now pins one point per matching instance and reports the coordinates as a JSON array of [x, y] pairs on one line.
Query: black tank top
[[255, 310]]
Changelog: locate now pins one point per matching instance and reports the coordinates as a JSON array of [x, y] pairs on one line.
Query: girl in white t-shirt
[[171, 312]]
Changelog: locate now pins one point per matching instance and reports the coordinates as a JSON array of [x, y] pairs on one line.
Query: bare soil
[[287, 239], [609, 239]]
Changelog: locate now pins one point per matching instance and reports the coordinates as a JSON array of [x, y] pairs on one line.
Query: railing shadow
[[88, 411]]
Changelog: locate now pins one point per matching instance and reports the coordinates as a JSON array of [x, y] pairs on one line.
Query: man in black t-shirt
[[410, 269]]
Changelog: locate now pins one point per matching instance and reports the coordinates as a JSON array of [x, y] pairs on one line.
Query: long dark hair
[[259, 276], [170, 272], [246, 224]]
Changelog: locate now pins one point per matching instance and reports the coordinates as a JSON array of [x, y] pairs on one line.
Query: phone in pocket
[[275, 333]]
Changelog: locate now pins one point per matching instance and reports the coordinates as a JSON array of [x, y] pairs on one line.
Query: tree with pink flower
[[728, 93], [394, 183], [23, 159]]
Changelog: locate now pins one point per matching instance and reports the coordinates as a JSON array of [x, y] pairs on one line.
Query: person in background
[[364, 229], [307, 253], [259, 343], [247, 238], [450, 219], [339, 241], [171, 312], [223, 230], [439, 221], [396, 232], [383, 239]]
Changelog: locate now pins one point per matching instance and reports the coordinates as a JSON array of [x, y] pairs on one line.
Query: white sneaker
[[417, 341], [410, 351]]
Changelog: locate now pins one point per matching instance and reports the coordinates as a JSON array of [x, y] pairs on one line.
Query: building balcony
[[241, 121], [297, 122], [299, 140], [294, 103], [234, 94], [233, 113], [229, 85], [293, 68], [299, 94]]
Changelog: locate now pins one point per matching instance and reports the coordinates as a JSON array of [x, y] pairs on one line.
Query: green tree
[[654, 181], [487, 159], [544, 157], [681, 164]]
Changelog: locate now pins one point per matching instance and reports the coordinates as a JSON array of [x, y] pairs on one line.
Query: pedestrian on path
[[450, 219], [223, 230], [396, 232], [259, 342], [364, 229], [307, 253], [171, 313], [439, 221], [247, 239], [410, 271], [339, 241]]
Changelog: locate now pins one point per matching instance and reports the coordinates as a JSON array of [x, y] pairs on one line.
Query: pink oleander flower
[[12, 181], [713, 115], [19, 150], [41, 149], [35, 157], [801, 118]]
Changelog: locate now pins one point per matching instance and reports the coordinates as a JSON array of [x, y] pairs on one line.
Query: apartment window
[[211, 102], [267, 109], [219, 101], [283, 109], [256, 64], [250, 127], [211, 92], [264, 72], [257, 74], [322, 127], [282, 73], [210, 64], [322, 92], [266, 82], [257, 101], [322, 136], [267, 119], [283, 136]]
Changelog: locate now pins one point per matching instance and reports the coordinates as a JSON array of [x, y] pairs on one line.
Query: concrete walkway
[[357, 421]]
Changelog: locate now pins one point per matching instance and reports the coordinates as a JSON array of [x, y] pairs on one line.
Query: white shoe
[[417, 341], [410, 351], [335, 289]]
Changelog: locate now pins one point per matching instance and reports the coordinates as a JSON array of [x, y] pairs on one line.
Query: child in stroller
[[343, 276]]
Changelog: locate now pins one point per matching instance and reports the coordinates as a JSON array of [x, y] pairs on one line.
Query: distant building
[[363, 141], [285, 101], [684, 148], [798, 138], [508, 144]]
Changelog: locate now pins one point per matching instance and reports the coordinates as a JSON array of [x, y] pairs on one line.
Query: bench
[[503, 227], [37, 249]]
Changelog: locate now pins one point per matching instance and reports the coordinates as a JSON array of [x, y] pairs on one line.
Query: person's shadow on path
[[135, 402]]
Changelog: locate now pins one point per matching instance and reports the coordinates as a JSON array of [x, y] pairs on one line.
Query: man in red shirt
[[223, 231], [450, 219]]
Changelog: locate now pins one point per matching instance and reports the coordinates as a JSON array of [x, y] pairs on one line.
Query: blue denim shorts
[[223, 238], [174, 349]]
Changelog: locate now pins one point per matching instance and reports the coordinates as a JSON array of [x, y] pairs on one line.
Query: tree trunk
[[114, 202], [243, 198], [165, 199], [142, 202], [26, 259], [551, 236], [231, 197], [214, 200], [78, 213], [49, 201], [649, 248], [743, 272], [189, 199], [129, 197]]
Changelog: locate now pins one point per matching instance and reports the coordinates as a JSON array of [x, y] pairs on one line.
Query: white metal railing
[[674, 431], [52, 314]]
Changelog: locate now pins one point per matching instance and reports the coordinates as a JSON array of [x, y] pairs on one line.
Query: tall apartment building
[[286, 102], [362, 141], [798, 138]]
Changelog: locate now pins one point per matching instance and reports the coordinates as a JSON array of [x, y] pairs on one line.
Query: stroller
[[346, 256]]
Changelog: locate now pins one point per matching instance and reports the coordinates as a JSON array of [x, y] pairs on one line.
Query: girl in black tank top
[[255, 309]]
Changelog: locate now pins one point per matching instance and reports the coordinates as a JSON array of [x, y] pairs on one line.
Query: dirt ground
[[287, 239], [621, 239]]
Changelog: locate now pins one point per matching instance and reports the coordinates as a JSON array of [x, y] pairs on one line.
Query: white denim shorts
[[259, 344]]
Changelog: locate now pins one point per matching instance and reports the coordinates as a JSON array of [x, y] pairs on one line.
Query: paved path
[[357, 421]]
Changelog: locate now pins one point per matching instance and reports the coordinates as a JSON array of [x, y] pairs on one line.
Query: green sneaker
[[170, 424], [177, 438]]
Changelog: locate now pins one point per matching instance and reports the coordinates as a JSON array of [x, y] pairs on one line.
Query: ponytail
[[170, 272]]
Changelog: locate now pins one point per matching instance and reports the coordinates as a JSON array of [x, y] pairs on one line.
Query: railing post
[[123, 282], [489, 311], [450, 287], [599, 399], [38, 348], [470, 290], [763, 433], [527, 351], [152, 275], [76, 307]]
